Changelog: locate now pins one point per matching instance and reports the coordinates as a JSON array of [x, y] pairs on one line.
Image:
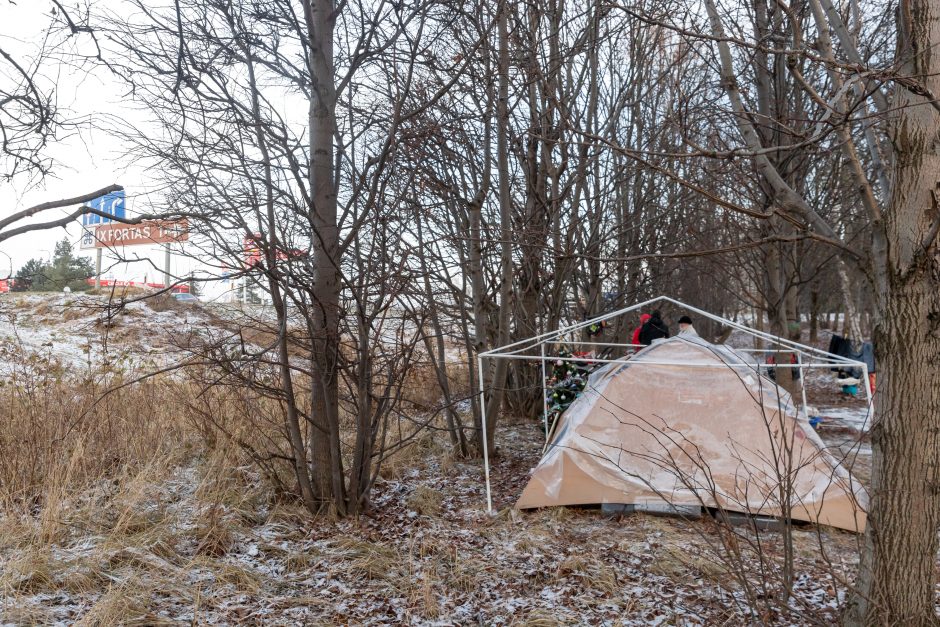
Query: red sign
[[182, 287], [147, 232], [253, 254], [252, 250]]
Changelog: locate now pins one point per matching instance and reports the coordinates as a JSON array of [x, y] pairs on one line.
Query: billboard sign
[[147, 232], [251, 249], [253, 253], [111, 204], [113, 283]]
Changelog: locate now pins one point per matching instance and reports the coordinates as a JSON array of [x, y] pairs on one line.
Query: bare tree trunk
[[814, 316], [897, 571], [292, 418], [436, 353], [853, 322], [324, 442], [495, 402]]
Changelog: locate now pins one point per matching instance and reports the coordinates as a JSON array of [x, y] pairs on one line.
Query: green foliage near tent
[[566, 383]]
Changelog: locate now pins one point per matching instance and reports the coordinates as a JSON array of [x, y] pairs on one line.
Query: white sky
[[85, 161]]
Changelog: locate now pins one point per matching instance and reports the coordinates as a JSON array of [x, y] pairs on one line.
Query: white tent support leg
[[544, 390], [486, 456], [799, 359], [868, 396]]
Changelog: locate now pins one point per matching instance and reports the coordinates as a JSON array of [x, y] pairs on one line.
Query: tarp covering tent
[[688, 423]]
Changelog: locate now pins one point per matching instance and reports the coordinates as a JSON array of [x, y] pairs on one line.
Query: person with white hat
[[685, 326]]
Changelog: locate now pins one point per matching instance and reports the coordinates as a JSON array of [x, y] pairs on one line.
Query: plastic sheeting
[[705, 429]]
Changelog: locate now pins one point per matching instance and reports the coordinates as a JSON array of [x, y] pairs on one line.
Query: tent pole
[[799, 359], [486, 456], [558, 333], [566, 331], [735, 325], [868, 395], [544, 387]]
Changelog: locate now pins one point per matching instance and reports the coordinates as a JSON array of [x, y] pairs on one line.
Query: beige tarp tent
[[696, 425]]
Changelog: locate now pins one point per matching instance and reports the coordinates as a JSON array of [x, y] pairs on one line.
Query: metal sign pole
[[166, 268], [98, 270]]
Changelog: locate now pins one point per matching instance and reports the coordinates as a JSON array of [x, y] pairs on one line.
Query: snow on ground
[[176, 551], [427, 554], [91, 333]]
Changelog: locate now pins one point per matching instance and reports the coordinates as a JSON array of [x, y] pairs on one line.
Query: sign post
[[98, 270], [166, 269]]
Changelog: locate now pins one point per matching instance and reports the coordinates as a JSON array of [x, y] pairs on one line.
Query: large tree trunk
[[897, 570], [896, 579], [324, 440]]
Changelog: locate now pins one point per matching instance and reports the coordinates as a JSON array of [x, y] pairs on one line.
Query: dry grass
[[425, 500], [93, 478], [32, 570], [372, 560], [138, 506], [592, 571], [165, 302], [540, 618], [128, 603], [14, 611], [59, 439], [213, 536], [420, 446]]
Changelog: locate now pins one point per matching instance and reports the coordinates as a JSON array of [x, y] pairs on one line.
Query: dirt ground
[[195, 537], [427, 554]]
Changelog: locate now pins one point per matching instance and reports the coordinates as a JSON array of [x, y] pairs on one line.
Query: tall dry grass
[[94, 471], [114, 494], [61, 434]]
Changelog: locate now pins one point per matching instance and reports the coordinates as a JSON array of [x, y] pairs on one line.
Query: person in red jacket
[[636, 331]]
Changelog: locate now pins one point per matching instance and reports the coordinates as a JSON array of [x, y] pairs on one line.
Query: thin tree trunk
[[436, 353], [292, 416], [495, 403], [814, 316], [853, 323]]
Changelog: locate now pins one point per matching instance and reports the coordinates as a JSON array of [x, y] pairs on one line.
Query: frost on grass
[[190, 545], [178, 529]]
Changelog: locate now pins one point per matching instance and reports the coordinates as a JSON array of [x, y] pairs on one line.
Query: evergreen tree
[[33, 275], [67, 269]]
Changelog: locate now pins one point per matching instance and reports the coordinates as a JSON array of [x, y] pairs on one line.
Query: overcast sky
[[84, 161]]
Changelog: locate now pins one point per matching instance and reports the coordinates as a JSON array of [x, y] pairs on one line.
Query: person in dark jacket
[[653, 329], [636, 331]]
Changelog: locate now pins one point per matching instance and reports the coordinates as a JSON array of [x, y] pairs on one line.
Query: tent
[[687, 423]]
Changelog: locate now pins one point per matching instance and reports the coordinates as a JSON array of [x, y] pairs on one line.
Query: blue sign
[[111, 204]]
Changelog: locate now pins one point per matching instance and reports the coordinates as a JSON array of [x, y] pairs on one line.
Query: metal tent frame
[[518, 350]]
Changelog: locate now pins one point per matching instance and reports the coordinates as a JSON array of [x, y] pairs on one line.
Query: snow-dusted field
[[199, 537], [88, 332], [427, 555]]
